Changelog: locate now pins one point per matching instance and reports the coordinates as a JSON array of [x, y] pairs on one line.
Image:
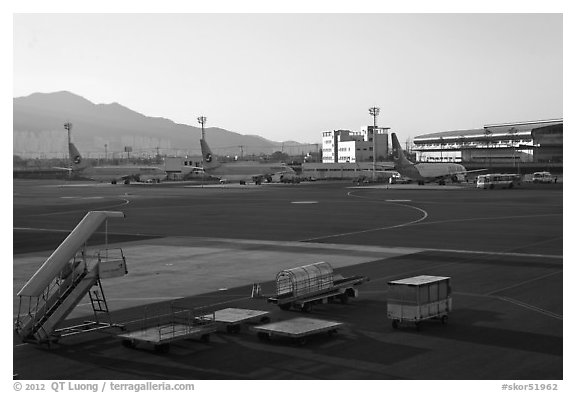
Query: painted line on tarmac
[[424, 216], [496, 253], [523, 282], [203, 306], [125, 202], [70, 230], [489, 218], [531, 307], [513, 301]]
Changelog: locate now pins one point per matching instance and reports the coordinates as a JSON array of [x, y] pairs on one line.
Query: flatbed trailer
[[302, 287], [342, 290], [161, 329], [297, 329], [233, 318]]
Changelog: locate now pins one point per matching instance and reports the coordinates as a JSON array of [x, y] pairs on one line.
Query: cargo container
[[303, 286], [418, 298]]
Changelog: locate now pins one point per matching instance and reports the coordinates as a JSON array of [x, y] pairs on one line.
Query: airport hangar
[[523, 147]]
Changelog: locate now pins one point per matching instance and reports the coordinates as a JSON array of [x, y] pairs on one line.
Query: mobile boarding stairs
[[63, 281]]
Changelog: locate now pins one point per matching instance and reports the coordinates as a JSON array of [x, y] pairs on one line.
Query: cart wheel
[[417, 326], [162, 348], [344, 298], [332, 332], [299, 341], [128, 344], [264, 319], [205, 338], [395, 323], [263, 336], [444, 319], [285, 306], [306, 307]]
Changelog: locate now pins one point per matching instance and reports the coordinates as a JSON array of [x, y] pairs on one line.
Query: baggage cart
[[297, 329], [304, 286], [233, 318], [419, 298], [161, 327]]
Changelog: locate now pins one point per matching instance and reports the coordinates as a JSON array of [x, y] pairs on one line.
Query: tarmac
[[207, 246]]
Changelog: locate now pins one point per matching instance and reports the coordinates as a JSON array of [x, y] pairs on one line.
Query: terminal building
[[536, 144]]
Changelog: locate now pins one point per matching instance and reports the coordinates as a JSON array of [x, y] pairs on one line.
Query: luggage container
[[418, 298], [303, 286]]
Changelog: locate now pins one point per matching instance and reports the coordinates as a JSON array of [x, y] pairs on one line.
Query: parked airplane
[[427, 172], [112, 174], [241, 171]]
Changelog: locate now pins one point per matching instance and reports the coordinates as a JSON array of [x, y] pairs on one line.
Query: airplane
[[426, 172], [112, 174], [241, 171]]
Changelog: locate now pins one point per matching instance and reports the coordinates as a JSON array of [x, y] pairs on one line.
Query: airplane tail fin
[[77, 160], [208, 159], [399, 157]]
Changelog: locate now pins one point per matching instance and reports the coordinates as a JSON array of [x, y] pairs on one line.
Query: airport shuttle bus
[[542, 177], [498, 180]]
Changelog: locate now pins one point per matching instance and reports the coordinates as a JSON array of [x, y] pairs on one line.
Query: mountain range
[[98, 129]]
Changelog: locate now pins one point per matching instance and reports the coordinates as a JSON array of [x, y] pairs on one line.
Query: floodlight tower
[[374, 111], [68, 128], [202, 121]]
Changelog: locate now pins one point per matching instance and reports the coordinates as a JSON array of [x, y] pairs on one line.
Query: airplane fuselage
[[433, 171], [238, 171], [426, 172], [111, 173]]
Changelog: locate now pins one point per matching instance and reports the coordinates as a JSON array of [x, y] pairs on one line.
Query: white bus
[[498, 180], [542, 177]]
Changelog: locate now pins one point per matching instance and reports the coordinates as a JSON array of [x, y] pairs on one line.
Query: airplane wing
[[451, 175], [473, 170]]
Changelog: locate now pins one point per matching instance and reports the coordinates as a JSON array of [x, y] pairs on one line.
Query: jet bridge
[[71, 272]]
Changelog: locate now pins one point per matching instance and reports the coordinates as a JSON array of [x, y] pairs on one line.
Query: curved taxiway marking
[[124, 203], [422, 218]]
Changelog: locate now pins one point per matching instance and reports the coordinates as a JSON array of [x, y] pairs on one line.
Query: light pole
[[374, 111], [202, 121], [487, 133], [68, 128], [513, 131], [441, 146]]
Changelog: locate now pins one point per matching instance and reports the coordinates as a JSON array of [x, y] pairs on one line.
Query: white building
[[342, 146]]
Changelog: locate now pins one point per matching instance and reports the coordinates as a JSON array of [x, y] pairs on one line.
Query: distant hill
[[39, 131]]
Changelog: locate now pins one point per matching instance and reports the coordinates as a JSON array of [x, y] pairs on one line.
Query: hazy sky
[[293, 76]]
